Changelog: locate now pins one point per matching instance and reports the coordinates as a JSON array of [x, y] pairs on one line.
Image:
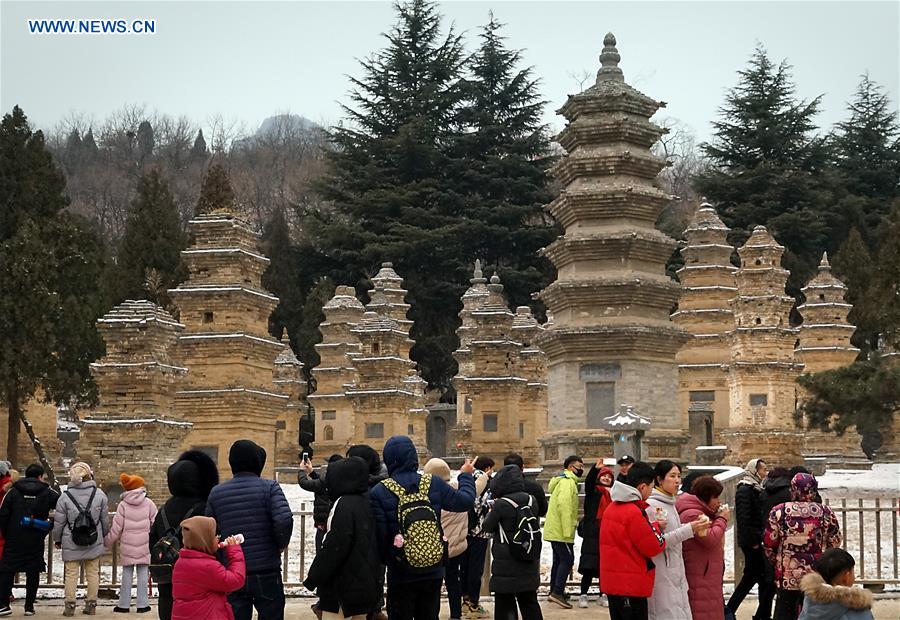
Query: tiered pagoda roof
[[825, 332]]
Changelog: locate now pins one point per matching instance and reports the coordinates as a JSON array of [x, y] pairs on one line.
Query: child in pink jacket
[[131, 526], [200, 582]]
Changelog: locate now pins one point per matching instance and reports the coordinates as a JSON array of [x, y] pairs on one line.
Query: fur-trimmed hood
[[827, 602]]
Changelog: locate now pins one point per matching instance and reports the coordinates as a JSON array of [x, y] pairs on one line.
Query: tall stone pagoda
[[388, 395], [825, 332], [704, 310], [611, 340], [136, 427], [762, 375], [335, 426], [501, 397], [226, 343], [824, 344]]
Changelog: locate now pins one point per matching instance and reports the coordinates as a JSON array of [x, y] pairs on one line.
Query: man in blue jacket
[[413, 594], [256, 508]]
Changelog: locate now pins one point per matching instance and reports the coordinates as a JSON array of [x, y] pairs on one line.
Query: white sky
[[249, 60]]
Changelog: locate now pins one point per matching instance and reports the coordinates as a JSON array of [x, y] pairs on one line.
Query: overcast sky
[[249, 60]]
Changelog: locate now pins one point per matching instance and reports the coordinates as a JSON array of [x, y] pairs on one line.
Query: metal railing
[[869, 528]]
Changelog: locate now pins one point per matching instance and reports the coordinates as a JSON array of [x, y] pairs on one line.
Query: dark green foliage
[[866, 153], [149, 259], [50, 268], [308, 334], [884, 293], [199, 151], [853, 265], [505, 152], [865, 394], [216, 193], [433, 171], [90, 145], [767, 166], [282, 277], [145, 141]]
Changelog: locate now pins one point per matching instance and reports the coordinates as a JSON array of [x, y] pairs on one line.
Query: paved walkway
[[298, 609]]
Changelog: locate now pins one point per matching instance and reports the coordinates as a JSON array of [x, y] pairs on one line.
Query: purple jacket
[[131, 526]]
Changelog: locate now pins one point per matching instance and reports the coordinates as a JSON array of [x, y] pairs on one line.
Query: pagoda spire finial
[[824, 265], [609, 61], [478, 274]]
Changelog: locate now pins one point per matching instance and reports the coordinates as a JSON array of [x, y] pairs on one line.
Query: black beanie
[[246, 456]]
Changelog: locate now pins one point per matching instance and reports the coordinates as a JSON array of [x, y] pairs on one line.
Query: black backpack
[[525, 541], [84, 530], [166, 550]]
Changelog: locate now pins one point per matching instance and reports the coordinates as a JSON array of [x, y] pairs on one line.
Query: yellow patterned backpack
[[424, 547]]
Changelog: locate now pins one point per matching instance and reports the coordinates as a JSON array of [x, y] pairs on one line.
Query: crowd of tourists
[[390, 539]]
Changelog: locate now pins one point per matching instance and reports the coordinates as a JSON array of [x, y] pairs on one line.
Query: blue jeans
[[265, 592], [563, 560]]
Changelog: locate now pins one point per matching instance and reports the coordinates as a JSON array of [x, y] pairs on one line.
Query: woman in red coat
[[200, 583], [704, 556]]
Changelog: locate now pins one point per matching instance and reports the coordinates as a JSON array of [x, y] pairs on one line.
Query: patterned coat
[[798, 532]]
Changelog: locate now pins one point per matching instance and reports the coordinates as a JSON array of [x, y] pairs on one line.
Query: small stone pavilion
[[136, 428], [501, 384], [611, 340], [368, 389]]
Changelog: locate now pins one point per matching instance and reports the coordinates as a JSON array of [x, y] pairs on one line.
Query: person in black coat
[[531, 487], [597, 483], [317, 483], [345, 571], [513, 581], [750, 528], [33, 498], [377, 473], [190, 480]]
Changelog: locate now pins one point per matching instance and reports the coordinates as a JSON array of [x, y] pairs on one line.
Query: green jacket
[[562, 514]]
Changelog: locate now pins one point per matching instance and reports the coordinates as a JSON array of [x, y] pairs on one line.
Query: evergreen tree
[[282, 277], [73, 146], [866, 151], [216, 193], [149, 261], [50, 269], [308, 334], [504, 155], [199, 151], [865, 394], [885, 290], [853, 264], [390, 192], [767, 167], [90, 145], [145, 141]]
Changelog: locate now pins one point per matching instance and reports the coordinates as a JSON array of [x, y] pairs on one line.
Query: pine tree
[[50, 270], [766, 167], [885, 290], [145, 141], [199, 151], [73, 146], [149, 261], [504, 154], [865, 394], [282, 277], [390, 192], [90, 145], [853, 264], [866, 151], [216, 193]]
